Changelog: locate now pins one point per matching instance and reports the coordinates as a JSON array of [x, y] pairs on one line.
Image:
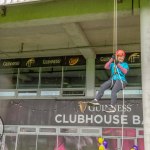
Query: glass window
[[8, 78], [112, 144], [46, 142], [26, 142], [101, 75], [60, 143], [76, 142], [140, 143], [51, 77], [141, 132], [10, 142], [127, 143], [133, 76], [130, 132], [74, 77], [28, 78]]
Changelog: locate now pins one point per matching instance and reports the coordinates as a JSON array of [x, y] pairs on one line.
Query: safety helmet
[[120, 52]]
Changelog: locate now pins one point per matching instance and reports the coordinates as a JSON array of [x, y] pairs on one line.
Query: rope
[[123, 103], [115, 27], [79, 142], [115, 39], [115, 33]]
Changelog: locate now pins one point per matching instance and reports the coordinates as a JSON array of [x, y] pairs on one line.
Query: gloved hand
[[113, 57]]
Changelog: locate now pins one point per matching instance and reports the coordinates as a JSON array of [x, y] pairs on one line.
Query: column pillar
[[145, 59], [90, 77]]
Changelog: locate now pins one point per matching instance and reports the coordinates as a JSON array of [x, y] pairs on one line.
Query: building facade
[[51, 61]]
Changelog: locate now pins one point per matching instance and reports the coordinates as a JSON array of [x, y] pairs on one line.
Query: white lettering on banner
[[116, 119], [124, 119], [9, 63], [96, 119], [89, 119], [80, 119], [129, 108], [64, 119], [119, 108], [52, 61], [100, 119], [136, 119], [56, 118], [97, 109], [108, 120], [73, 119], [101, 108]]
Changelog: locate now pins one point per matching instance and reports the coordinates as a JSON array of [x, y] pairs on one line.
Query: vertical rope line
[[115, 31], [79, 141], [123, 98], [115, 43], [115, 27]]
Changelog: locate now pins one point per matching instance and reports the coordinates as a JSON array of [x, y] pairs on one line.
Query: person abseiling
[[116, 82]]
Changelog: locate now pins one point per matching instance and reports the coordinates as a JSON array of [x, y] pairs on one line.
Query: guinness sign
[[130, 58], [30, 62], [135, 57], [74, 61], [51, 61], [11, 63], [43, 62]]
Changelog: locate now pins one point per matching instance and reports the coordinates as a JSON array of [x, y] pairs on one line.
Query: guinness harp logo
[[30, 62], [82, 106], [133, 57], [73, 61]]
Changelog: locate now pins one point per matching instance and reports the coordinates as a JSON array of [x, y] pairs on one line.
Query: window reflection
[[28, 78], [130, 132], [140, 143], [76, 143], [101, 75], [74, 77], [46, 142], [112, 144], [51, 77], [55, 76], [8, 78], [133, 76], [10, 142], [26, 142], [40, 141], [127, 143]]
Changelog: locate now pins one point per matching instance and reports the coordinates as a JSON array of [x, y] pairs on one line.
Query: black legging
[[116, 87]]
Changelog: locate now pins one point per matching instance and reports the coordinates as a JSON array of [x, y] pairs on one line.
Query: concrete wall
[[59, 8], [145, 58]]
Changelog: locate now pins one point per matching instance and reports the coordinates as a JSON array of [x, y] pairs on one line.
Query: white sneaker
[[94, 102]]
